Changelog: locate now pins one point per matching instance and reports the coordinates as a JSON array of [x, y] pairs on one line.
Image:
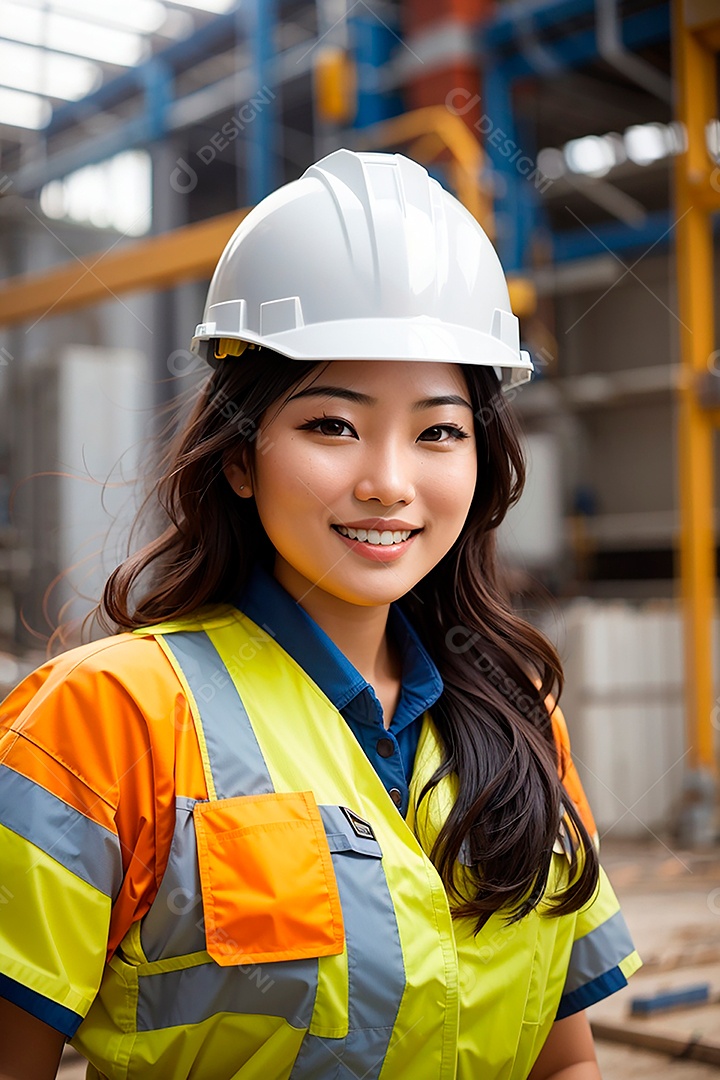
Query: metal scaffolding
[[697, 197]]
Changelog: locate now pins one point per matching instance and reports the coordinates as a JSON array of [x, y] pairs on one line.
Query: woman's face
[[364, 475]]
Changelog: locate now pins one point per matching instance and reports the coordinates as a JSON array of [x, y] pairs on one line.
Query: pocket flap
[[347, 831], [268, 885], [344, 842]]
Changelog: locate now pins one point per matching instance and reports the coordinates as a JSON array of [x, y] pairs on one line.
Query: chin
[[382, 592]]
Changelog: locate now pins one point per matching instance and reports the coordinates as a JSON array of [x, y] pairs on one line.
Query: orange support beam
[[155, 263], [695, 198], [433, 130]]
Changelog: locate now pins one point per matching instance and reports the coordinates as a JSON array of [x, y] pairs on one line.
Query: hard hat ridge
[[365, 256]]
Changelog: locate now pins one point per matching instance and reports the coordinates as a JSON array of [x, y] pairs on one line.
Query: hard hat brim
[[422, 339]]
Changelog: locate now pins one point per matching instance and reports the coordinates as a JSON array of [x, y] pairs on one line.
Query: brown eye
[[331, 427], [452, 431], [327, 425]]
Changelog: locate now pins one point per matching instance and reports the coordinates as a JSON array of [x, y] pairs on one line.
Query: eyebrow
[[365, 399]]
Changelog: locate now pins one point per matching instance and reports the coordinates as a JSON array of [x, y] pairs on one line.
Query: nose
[[387, 475]]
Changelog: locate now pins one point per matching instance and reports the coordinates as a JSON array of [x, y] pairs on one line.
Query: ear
[[238, 477]]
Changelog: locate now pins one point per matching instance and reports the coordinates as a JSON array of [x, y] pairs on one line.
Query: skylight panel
[[19, 109], [75, 36], [142, 16], [218, 7], [25, 67], [113, 194]]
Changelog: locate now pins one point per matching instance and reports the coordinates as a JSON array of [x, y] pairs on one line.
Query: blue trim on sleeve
[[57, 1016], [591, 992]]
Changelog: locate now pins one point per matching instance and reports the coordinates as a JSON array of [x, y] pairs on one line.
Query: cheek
[[454, 484], [294, 479]]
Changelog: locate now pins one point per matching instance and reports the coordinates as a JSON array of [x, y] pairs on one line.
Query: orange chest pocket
[[269, 890]]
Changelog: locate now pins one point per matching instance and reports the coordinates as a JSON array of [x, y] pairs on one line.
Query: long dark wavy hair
[[497, 669]]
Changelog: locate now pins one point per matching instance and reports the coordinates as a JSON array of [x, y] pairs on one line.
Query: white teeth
[[372, 536]]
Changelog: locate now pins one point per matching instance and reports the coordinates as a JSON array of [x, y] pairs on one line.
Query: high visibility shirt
[[391, 751], [100, 750], [272, 608]]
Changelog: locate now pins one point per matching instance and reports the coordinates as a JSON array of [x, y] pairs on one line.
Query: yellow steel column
[[695, 83]]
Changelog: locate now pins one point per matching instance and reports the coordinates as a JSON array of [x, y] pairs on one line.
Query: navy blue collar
[[269, 605]]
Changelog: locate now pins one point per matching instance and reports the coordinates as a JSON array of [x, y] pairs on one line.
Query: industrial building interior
[[584, 136]]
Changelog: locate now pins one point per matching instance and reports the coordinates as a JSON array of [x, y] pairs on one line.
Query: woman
[[308, 814]]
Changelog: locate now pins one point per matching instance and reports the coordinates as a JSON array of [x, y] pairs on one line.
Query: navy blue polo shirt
[[391, 752]]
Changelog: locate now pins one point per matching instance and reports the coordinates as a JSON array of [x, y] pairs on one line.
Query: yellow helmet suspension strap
[[231, 347]]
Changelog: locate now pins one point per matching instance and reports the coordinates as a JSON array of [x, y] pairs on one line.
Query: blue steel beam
[[576, 48], [517, 204], [158, 88], [33, 176], [294, 63], [656, 231], [259, 17], [373, 43], [177, 57], [509, 21], [515, 177], [498, 130]]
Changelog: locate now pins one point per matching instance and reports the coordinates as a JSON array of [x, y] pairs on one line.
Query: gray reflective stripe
[[284, 988], [376, 972], [599, 951], [236, 762], [173, 926], [82, 846]]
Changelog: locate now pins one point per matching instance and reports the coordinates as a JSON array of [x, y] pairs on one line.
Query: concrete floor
[[627, 1063], [671, 901]]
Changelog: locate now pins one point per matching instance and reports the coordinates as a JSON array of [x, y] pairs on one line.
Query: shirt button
[[385, 747], [396, 795]]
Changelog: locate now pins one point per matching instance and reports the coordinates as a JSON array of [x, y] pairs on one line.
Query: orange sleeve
[[568, 772], [566, 765], [99, 728]]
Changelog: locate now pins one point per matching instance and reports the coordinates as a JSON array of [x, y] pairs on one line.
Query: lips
[[380, 524], [374, 549]]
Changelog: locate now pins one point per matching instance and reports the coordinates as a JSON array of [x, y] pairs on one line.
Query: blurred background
[[583, 135]]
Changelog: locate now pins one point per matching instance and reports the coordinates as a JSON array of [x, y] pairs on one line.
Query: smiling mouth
[[374, 537]]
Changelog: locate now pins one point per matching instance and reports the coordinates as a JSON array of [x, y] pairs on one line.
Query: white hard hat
[[365, 257]]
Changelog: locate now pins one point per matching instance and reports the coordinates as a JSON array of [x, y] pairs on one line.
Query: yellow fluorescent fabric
[[330, 1011], [513, 976], [266, 1045], [630, 964], [468, 1007], [41, 945], [424, 922]]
